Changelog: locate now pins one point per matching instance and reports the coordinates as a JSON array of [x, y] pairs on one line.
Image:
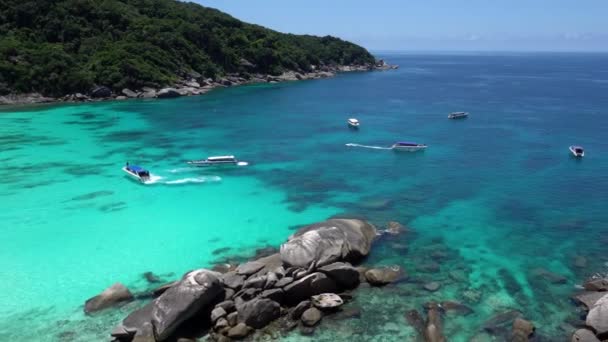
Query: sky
[[436, 25]]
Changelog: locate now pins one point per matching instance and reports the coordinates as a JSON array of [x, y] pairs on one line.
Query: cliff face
[[59, 47]]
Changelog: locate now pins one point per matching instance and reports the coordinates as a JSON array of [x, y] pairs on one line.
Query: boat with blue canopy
[[137, 172], [408, 146]]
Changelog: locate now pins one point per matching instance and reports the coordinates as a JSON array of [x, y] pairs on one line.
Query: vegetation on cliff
[[63, 46]]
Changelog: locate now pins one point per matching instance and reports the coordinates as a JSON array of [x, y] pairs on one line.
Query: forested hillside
[[58, 47]]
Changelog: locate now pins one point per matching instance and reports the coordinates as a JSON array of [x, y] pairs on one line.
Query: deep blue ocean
[[501, 214]]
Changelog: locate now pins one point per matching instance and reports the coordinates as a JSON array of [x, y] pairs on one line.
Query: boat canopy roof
[[136, 168], [458, 113], [221, 158], [407, 143], [576, 147], [353, 120]]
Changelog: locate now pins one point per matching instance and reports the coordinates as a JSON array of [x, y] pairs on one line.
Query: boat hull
[[576, 154], [409, 148], [353, 126], [136, 177]]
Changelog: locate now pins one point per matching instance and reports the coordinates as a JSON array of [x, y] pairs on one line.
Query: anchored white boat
[[353, 123], [218, 161], [408, 146], [137, 172], [577, 151], [458, 115]]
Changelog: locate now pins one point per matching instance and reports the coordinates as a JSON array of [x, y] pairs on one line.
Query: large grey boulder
[[308, 286], [101, 92], [597, 318], [344, 274], [196, 291], [259, 312], [112, 295], [129, 93], [328, 242], [167, 93], [249, 268]]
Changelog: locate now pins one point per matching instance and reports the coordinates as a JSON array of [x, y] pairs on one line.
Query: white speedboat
[[353, 123], [218, 161], [458, 115], [137, 172], [408, 146], [577, 151]]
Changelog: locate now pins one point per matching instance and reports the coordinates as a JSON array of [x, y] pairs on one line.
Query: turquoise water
[[496, 194]]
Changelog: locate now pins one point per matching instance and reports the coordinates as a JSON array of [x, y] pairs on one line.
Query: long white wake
[[368, 146], [155, 179]]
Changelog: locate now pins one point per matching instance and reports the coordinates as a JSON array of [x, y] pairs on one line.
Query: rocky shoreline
[[313, 276], [191, 84]]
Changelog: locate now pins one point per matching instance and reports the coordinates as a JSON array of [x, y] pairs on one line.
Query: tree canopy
[[57, 47]]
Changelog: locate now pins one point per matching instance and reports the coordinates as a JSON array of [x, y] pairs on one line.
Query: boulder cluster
[[594, 299], [308, 279]]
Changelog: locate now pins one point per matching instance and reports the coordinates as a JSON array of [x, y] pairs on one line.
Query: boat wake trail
[[205, 179], [371, 147], [182, 170]]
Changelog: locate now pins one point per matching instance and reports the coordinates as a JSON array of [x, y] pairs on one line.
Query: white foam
[[242, 163], [368, 146], [182, 169], [206, 179]]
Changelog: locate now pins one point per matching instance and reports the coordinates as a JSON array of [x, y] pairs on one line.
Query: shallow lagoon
[[496, 194]]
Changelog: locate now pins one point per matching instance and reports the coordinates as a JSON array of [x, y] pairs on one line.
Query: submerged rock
[[522, 330], [327, 242], [433, 331], [383, 276], [299, 309], [501, 321], [459, 308], [112, 295], [432, 286]]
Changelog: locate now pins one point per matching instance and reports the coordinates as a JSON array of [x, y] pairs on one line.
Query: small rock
[[432, 286], [239, 331], [283, 282], [344, 274], [326, 301], [259, 312], [255, 282], [217, 313], [249, 268], [121, 98], [232, 318], [221, 324], [273, 294], [299, 309], [227, 305], [233, 280], [451, 306], [311, 317]]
